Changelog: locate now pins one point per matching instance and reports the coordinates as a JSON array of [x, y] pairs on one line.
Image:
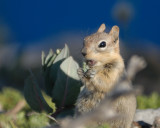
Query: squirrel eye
[[102, 44]]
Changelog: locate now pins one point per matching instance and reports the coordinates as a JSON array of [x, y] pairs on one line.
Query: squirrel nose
[[84, 52]]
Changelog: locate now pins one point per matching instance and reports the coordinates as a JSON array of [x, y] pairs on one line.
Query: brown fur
[[101, 78]]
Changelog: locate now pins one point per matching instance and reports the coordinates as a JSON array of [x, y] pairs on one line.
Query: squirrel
[[106, 67]]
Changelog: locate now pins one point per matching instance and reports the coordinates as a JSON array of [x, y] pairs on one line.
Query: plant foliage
[[61, 83], [9, 97], [151, 101]]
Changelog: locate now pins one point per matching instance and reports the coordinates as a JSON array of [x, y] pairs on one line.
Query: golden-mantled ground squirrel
[[106, 67]]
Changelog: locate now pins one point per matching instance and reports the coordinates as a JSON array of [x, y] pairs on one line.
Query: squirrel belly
[[96, 88]]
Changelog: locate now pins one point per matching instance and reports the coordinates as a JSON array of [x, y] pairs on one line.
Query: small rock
[[147, 115]]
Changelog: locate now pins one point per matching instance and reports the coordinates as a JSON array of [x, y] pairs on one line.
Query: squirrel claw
[[80, 73], [90, 73]]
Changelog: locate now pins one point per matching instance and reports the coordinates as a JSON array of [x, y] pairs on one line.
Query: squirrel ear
[[102, 28], [114, 32]]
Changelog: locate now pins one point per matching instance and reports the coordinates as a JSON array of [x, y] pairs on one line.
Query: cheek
[[103, 57], [96, 56]]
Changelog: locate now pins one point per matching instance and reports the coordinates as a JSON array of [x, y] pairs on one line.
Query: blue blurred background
[[29, 26]]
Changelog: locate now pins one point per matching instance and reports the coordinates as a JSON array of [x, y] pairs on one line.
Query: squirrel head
[[101, 48]]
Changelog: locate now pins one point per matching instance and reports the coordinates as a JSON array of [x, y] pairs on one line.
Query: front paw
[[80, 73], [90, 73]]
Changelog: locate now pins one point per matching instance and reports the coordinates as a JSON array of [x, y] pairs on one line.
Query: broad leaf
[[33, 96], [46, 65], [65, 113], [55, 67], [46, 72], [43, 58], [67, 86], [47, 61], [63, 54], [49, 56]]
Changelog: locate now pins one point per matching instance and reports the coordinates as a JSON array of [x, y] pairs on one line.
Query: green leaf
[[51, 74], [46, 65], [47, 61], [46, 72], [51, 60], [43, 58], [67, 86], [65, 113], [63, 54], [33, 96], [85, 66], [50, 54]]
